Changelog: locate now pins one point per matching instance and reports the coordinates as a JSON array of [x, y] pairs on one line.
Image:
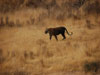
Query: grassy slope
[[28, 50]]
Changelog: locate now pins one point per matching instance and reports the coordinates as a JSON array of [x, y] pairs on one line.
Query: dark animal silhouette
[[56, 31]]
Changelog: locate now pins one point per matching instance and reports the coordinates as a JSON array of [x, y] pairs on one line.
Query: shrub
[[18, 23], [89, 25], [20, 73], [2, 59], [91, 66], [7, 20], [10, 5], [2, 21], [91, 7], [32, 20], [11, 24]]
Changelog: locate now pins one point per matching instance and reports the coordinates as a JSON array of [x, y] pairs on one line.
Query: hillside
[[26, 50], [37, 11]]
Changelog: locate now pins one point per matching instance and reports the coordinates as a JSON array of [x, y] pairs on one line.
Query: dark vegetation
[[2, 59], [15, 73], [4, 21], [88, 5], [91, 66], [76, 9], [10, 5]]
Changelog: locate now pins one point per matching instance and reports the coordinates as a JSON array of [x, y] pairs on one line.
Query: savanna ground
[[26, 50]]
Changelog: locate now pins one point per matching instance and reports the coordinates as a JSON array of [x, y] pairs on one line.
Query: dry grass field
[[26, 50]]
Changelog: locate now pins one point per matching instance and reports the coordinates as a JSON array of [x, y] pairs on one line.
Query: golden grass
[[27, 49]]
